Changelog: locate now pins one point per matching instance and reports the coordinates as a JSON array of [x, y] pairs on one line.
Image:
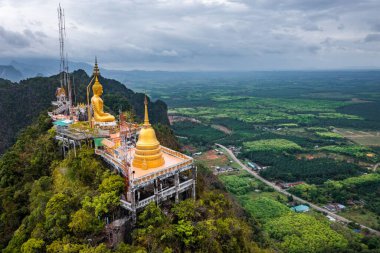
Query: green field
[[271, 145], [362, 216], [367, 138], [318, 127]]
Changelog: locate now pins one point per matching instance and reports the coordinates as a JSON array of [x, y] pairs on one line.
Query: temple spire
[[146, 116], [96, 71]]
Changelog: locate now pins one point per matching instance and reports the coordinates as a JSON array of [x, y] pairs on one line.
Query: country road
[[277, 188]]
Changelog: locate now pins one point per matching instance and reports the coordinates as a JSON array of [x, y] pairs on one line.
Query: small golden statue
[[97, 104]]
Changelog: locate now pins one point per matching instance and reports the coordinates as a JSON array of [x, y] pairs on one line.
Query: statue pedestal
[[105, 125]]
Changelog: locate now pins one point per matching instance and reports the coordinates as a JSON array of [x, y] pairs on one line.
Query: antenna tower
[[63, 66]]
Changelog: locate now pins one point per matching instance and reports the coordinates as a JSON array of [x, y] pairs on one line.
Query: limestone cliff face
[[22, 102]]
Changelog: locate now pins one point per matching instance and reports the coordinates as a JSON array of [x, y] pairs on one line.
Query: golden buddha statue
[[148, 153], [97, 103]]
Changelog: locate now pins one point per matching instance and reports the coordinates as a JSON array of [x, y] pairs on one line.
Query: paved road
[[279, 189]]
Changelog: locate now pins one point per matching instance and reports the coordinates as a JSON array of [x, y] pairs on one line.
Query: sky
[[198, 34]]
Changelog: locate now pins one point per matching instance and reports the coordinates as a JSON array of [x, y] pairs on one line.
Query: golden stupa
[[148, 153]]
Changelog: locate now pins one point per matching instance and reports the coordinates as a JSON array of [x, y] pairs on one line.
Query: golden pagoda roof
[[148, 153]]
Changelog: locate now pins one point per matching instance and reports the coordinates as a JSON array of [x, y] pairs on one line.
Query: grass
[[329, 135], [272, 145], [367, 138], [362, 216], [271, 195], [351, 150]]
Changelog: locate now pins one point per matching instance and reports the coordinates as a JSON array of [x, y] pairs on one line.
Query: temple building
[[152, 172]]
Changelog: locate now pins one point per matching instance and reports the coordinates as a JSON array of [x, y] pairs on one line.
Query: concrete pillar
[[133, 204], [194, 174], [176, 184], [156, 192], [75, 150]]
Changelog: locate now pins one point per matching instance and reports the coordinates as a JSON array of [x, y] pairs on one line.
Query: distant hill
[[22, 102], [45, 67], [32, 67], [10, 72]]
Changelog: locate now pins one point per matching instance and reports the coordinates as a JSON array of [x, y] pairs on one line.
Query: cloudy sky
[[198, 34]]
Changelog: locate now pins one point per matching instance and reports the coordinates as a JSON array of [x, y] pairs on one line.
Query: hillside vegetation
[[22, 102], [292, 232], [50, 204]]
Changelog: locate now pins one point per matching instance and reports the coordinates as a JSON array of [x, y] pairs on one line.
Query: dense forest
[[50, 204], [22, 102], [315, 171]]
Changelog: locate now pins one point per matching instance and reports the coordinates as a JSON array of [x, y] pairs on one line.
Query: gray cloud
[[372, 37], [14, 38], [200, 34], [376, 27], [311, 27]]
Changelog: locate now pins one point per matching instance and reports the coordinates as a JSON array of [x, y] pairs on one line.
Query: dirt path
[[222, 129]]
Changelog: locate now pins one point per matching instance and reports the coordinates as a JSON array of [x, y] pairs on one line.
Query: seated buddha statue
[[97, 104]]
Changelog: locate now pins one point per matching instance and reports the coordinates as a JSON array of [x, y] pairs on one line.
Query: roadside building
[[285, 185], [332, 219], [334, 207], [224, 169], [300, 208]]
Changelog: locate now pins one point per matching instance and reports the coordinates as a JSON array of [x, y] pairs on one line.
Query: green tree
[[101, 248], [152, 216], [264, 209], [57, 214], [296, 233], [64, 246], [84, 223], [33, 246], [109, 198], [112, 183], [185, 210], [185, 232]]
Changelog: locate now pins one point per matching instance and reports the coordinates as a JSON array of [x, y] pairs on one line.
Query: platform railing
[[162, 171], [126, 204], [166, 193], [186, 184], [145, 202], [110, 159], [175, 153], [187, 161]]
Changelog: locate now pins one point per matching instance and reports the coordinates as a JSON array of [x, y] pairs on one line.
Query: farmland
[[318, 127], [367, 138]]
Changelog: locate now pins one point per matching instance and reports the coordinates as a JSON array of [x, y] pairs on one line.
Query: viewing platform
[[176, 176]]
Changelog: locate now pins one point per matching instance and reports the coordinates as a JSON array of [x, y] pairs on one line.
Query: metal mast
[[63, 66]]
